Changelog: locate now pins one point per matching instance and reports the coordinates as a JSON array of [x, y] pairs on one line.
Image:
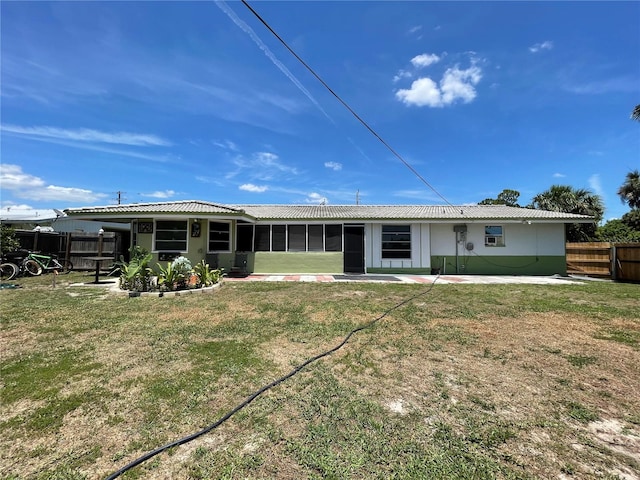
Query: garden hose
[[265, 388]]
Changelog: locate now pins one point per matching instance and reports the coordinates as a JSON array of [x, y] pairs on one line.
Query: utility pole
[[119, 199], [358, 197]]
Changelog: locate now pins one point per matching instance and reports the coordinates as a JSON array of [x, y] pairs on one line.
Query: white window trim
[[155, 231], [382, 242], [231, 239]]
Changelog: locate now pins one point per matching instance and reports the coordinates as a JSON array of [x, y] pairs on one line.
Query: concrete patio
[[414, 279]]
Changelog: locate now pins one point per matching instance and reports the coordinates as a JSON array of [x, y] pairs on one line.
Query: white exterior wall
[[420, 248], [519, 239]]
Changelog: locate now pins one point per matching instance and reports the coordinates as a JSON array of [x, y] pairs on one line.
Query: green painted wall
[[503, 265], [297, 262]]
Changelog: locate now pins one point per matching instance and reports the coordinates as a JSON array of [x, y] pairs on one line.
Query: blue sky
[[198, 100]]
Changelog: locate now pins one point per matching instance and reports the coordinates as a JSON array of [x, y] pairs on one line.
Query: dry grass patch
[[463, 382]]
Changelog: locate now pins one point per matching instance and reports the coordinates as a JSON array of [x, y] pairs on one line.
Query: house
[[313, 239], [56, 221]]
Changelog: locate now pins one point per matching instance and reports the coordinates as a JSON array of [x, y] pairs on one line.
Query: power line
[[346, 105]]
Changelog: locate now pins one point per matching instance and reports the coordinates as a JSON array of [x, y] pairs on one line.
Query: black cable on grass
[[259, 392]]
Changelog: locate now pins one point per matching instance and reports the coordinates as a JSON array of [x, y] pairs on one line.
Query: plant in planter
[[135, 274], [205, 275], [176, 275]]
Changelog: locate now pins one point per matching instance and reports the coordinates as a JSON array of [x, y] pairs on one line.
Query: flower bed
[[178, 275]]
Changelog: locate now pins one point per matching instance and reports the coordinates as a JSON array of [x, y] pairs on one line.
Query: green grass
[[462, 382]]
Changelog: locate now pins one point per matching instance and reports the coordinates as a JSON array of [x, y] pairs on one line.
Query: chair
[[212, 260], [239, 268]]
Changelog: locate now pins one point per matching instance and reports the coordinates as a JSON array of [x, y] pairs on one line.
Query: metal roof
[[180, 207], [333, 212]]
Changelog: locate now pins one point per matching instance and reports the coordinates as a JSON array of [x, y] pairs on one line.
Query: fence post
[[35, 238], [67, 250], [100, 240], [614, 262]]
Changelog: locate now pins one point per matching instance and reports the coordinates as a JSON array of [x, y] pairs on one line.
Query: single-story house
[[316, 239]]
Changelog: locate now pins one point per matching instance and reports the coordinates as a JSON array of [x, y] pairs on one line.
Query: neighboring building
[[56, 221], [313, 239]]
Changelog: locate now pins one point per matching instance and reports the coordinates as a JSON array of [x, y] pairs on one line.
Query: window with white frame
[[493, 236], [219, 237], [171, 236], [396, 241]]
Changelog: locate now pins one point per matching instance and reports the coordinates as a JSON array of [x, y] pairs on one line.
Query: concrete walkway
[[426, 279]]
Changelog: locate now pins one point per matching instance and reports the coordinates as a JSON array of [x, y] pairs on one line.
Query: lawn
[[461, 382]]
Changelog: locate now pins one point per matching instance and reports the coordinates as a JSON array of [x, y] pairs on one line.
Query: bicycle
[[11, 265], [9, 271], [34, 264]]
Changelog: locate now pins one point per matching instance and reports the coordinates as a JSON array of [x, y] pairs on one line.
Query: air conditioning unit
[[491, 241]]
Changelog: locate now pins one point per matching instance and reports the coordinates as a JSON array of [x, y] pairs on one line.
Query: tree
[[506, 197], [563, 198], [632, 219], [635, 115], [629, 191], [8, 240], [617, 231]]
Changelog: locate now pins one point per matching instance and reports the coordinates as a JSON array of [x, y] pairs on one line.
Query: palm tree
[[635, 115], [563, 198], [629, 192]]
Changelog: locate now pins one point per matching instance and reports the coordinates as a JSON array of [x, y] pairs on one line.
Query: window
[[297, 238], [244, 237], [171, 236], [219, 237], [493, 236], [279, 241], [396, 241], [293, 238], [262, 238], [316, 243], [333, 238]]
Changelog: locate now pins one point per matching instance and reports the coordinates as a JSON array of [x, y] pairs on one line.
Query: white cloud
[[62, 194], [263, 166], [400, 75], [270, 55], [546, 45], [316, 198], [226, 145], [596, 185], [333, 165], [458, 84], [559, 175], [87, 135], [421, 195], [24, 185], [250, 187], [455, 85], [160, 194], [424, 60], [13, 178], [415, 29]]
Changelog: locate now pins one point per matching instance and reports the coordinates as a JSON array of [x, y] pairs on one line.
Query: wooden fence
[[618, 261], [73, 246], [627, 262]]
